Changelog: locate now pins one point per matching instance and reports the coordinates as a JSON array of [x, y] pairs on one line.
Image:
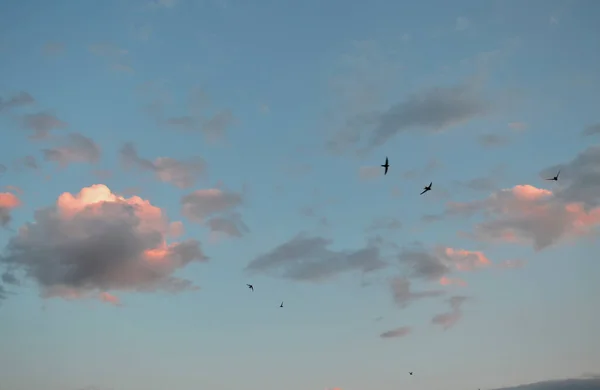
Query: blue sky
[[275, 117]]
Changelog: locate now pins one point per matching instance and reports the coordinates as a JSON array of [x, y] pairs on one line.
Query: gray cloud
[[579, 178], [230, 225], [305, 258], [28, 162], [76, 247], [403, 296], [423, 265], [42, 123], [75, 148], [201, 204], [450, 318], [431, 110], [3, 293], [591, 130], [560, 384], [20, 99], [492, 140], [182, 174], [9, 278], [395, 333]]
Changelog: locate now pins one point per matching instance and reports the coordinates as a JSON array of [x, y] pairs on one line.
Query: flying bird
[[410, 373], [281, 304], [555, 178], [428, 188], [251, 287], [386, 166]]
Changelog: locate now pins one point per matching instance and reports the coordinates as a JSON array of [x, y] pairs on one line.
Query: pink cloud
[[446, 281], [94, 240], [526, 214], [109, 298], [465, 260], [8, 202]]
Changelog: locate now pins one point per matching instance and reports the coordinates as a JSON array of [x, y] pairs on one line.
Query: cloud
[[560, 384], [18, 100], [28, 162], [384, 223], [450, 318], [213, 128], [76, 148], [403, 296], [492, 140], [431, 110], [591, 130], [370, 172], [53, 48], [462, 23], [42, 123], [95, 241], [526, 214], [441, 261], [446, 281], [8, 202], [394, 333], [110, 299], [10, 278], [580, 178], [518, 126], [305, 258], [218, 204], [182, 174], [117, 58]]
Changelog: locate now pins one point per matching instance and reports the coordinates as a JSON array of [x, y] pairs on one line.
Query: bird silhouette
[[281, 304], [428, 188], [410, 373], [251, 287], [555, 178], [386, 166]]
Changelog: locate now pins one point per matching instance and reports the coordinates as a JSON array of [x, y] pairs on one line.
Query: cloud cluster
[[215, 208], [305, 258], [95, 241], [527, 214], [182, 174]]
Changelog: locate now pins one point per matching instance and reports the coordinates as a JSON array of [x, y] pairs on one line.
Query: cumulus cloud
[[305, 258], [95, 241], [431, 110], [450, 318], [181, 173], [526, 214], [395, 333], [20, 99], [8, 202], [403, 295], [74, 148], [42, 123]]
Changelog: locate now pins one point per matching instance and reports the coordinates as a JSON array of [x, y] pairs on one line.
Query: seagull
[[281, 304], [251, 287], [428, 188], [555, 178], [386, 165]]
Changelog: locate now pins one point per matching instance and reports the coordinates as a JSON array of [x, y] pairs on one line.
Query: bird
[[428, 188], [555, 178], [281, 304], [410, 373], [251, 287], [386, 165]]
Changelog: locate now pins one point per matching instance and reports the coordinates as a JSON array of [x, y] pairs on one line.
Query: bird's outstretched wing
[[558, 174], [424, 191]]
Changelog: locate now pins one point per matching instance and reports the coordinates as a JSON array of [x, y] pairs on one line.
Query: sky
[[158, 156]]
